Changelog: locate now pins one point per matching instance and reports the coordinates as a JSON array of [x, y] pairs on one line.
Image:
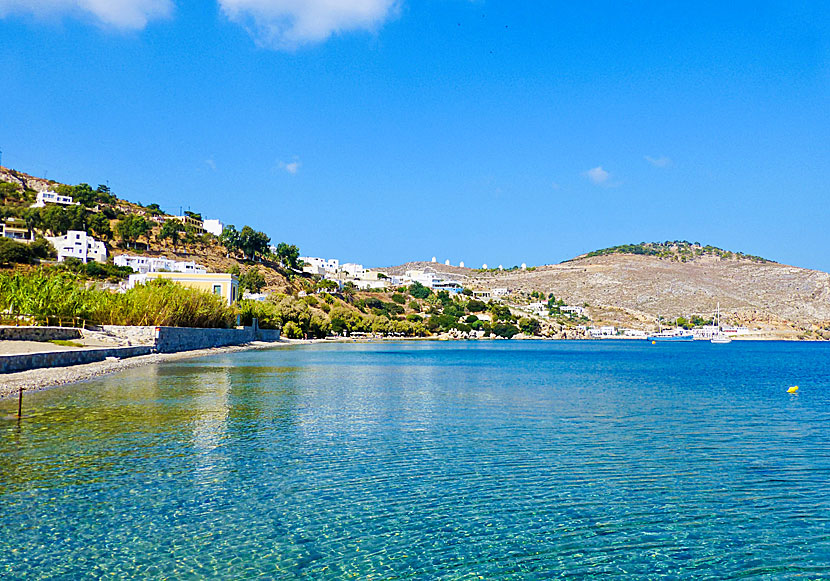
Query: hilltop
[[633, 285]]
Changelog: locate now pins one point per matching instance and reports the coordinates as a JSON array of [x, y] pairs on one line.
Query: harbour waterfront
[[429, 460]]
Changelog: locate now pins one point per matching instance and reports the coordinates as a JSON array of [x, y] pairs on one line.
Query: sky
[[384, 131]]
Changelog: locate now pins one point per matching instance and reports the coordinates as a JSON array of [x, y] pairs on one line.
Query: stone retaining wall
[[172, 339], [23, 362], [39, 333], [141, 341]]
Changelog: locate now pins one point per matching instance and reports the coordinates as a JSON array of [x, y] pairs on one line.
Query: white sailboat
[[719, 336]]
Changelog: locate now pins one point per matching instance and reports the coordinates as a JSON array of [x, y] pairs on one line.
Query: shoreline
[[50, 377]]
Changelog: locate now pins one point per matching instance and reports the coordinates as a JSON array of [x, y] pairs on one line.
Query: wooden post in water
[[20, 403]]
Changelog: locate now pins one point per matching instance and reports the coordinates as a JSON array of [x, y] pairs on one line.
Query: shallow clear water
[[420, 460]]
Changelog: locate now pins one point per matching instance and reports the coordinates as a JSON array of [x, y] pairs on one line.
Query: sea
[[429, 460]]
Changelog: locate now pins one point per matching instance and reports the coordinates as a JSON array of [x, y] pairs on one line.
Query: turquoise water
[[493, 460]]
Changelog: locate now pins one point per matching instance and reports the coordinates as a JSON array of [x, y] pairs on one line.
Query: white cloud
[[597, 175], [659, 161], [290, 23], [291, 167], [125, 14]]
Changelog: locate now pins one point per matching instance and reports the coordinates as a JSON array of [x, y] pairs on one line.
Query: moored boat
[[677, 334]]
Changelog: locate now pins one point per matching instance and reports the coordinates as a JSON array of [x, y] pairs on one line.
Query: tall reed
[[43, 294]]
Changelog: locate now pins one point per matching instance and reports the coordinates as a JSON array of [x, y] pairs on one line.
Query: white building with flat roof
[[215, 227], [145, 264], [50, 197], [80, 245], [326, 265]]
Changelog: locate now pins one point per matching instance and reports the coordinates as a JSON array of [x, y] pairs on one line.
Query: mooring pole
[[20, 403]]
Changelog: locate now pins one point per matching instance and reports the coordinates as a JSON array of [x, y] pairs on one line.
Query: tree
[[42, 248], [419, 291], [288, 255], [84, 195], [154, 209], [32, 219], [476, 306], [131, 228], [55, 220], [230, 239], [13, 252], [170, 231], [505, 330], [8, 190], [252, 242], [104, 194], [251, 280], [529, 326], [77, 216], [99, 225], [319, 326]]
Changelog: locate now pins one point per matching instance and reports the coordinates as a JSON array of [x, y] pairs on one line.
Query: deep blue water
[[491, 460]]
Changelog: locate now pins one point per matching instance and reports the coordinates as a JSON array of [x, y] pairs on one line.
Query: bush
[[292, 330], [419, 291], [13, 252], [251, 280], [42, 248], [505, 330], [399, 298]]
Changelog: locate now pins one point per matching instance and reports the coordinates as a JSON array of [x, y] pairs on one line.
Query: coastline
[[51, 377]]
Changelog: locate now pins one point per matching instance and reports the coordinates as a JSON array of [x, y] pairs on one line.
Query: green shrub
[[13, 252], [292, 330]]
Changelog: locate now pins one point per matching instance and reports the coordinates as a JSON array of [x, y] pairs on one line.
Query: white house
[[578, 311], [78, 244], [499, 292], [145, 264], [321, 265], [50, 197], [352, 269], [215, 227]]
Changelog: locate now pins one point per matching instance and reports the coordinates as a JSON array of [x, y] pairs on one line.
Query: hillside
[[634, 289], [100, 215]]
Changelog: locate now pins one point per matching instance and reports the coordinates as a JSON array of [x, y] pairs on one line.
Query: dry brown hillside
[[631, 288]]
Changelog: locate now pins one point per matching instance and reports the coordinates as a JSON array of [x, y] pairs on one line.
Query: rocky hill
[[635, 288]]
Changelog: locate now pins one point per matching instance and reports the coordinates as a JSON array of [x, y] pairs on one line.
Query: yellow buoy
[[654, 342], [793, 389]]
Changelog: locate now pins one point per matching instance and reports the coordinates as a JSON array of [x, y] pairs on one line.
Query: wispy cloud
[[555, 186], [291, 167], [597, 175], [287, 24], [210, 163], [123, 14], [659, 161]]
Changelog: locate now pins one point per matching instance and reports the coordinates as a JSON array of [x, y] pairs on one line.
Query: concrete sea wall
[[23, 362], [172, 339], [39, 333], [135, 341]]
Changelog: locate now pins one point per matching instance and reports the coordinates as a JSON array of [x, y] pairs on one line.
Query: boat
[[719, 336], [677, 334]]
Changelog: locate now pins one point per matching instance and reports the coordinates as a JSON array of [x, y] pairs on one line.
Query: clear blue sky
[[379, 131]]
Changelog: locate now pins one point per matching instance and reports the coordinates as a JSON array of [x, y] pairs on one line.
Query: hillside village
[[115, 246]]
